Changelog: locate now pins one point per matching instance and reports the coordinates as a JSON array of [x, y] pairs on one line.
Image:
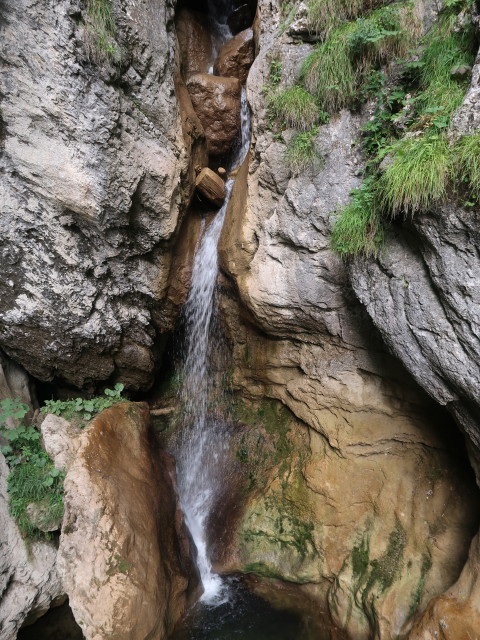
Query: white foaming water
[[202, 446]]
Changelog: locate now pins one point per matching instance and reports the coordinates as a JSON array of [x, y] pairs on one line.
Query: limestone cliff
[[348, 498], [94, 166], [300, 336]]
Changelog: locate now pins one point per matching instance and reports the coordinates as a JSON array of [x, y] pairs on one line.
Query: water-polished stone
[[236, 56], [217, 103]]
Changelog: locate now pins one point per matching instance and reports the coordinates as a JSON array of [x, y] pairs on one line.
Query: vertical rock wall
[[95, 181], [386, 513]]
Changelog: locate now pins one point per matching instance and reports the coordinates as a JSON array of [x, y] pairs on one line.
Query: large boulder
[[124, 554], [236, 56], [194, 42], [217, 103], [211, 186], [94, 181]]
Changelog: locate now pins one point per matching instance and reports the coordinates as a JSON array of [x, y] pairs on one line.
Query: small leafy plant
[[35, 485], [84, 409]]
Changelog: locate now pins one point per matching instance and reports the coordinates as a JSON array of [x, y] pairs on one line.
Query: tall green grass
[[358, 226], [324, 15], [302, 153], [295, 106], [100, 31], [417, 176], [335, 71], [328, 72], [466, 160], [444, 48]]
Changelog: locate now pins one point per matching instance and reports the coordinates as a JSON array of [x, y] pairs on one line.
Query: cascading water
[[201, 447]]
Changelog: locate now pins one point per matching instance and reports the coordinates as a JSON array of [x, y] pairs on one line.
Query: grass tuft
[[357, 229], [417, 176], [445, 48], [302, 152], [324, 15], [100, 32], [338, 68], [295, 106], [328, 73], [466, 155]]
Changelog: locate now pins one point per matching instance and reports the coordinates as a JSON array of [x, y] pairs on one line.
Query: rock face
[[456, 614], [124, 555], [217, 103], [93, 166], [61, 440], [236, 56], [421, 294], [194, 42], [29, 581], [366, 544]]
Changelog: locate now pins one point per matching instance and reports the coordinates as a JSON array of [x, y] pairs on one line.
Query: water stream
[[201, 447]]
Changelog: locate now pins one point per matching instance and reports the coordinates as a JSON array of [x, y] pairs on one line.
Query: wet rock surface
[[456, 613], [123, 545], [305, 340], [194, 42], [216, 101], [236, 56]]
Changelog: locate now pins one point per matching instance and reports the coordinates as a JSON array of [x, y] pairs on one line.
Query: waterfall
[[202, 445]]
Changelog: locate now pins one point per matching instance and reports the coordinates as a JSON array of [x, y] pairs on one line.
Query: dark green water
[[243, 617]]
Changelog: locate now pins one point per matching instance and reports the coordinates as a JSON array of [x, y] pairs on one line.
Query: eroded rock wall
[[94, 166], [376, 481]]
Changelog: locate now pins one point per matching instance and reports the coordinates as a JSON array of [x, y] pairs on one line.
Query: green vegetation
[[418, 593], [302, 151], [466, 159], [381, 571], [417, 176], [358, 228], [411, 164], [295, 106], [100, 31], [289, 532], [445, 47], [328, 72], [118, 564], [323, 15], [360, 561], [35, 485], [385, 569], [82, 409], [338, 68]]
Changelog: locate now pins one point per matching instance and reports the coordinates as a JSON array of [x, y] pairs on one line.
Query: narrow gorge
[[239, 341]]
